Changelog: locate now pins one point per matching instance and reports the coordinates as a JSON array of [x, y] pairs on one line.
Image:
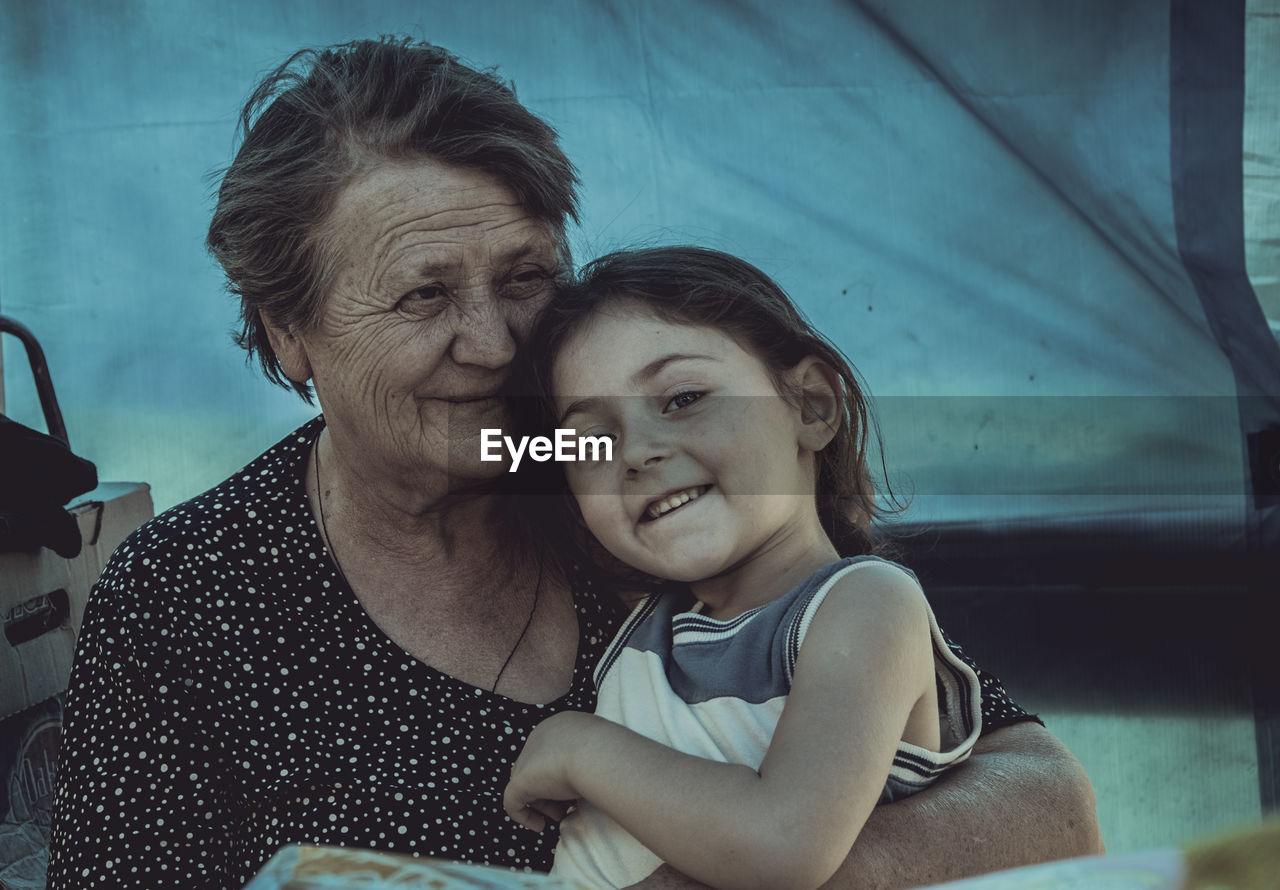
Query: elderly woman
[[347, 641]]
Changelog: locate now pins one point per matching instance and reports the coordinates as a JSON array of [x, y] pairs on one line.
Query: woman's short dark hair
[[694, 285], [326, 115]]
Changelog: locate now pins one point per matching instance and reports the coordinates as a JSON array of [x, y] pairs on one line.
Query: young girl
[[750, 719]]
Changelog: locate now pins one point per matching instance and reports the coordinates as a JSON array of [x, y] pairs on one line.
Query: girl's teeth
[[667, 504]]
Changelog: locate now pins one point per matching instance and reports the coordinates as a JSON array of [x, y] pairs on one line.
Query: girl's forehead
[[620, 311], [625, 330], [623, 338]]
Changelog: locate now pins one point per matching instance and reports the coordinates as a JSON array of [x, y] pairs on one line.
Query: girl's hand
[[541, 786]]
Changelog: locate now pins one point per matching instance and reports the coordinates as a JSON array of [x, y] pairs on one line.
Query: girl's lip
[[672, 500]]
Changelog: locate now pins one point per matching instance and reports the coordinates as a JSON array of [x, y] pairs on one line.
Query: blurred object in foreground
[[1245, 859], [302, 867]]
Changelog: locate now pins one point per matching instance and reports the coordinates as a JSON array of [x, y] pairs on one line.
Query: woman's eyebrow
[[448, 259], [534, 245]]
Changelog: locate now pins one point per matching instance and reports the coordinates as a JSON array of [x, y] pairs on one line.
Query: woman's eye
[[683, 400], [526, 283], [421, 297]]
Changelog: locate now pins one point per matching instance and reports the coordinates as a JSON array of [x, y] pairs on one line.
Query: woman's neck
[[417, 527], [448, 583]]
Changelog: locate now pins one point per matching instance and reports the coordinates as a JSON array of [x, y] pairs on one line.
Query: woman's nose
[[482, 334]]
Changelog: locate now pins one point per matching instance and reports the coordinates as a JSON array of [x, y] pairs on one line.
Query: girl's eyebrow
[[649, 371], [639, 378], [581, 406]]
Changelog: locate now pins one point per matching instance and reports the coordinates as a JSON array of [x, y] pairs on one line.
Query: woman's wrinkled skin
[[440, 273], [439, 276]]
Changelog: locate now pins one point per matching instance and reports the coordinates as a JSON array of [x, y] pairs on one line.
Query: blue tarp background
[[979, 201], [1021, 218]]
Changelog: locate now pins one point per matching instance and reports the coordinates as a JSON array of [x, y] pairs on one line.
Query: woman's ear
[[290, 351], [817, 386]]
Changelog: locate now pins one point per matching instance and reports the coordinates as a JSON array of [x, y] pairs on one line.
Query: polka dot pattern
[[230, 695], [998, 707]]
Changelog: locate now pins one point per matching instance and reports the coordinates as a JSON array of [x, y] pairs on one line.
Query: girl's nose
[[643, 449]]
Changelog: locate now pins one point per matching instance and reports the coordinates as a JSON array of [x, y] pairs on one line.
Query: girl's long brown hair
[[698, 286]]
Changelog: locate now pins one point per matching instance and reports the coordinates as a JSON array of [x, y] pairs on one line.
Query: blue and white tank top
[[716, 689]]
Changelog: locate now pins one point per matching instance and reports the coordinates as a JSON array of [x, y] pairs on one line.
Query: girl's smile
[[665, 504]]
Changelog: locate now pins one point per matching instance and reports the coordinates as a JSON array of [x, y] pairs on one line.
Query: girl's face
[[711, 468]]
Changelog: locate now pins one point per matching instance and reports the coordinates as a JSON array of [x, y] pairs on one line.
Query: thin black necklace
[[333, 555]]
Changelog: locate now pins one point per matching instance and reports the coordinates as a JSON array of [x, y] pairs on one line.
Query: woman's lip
[[465, 400]]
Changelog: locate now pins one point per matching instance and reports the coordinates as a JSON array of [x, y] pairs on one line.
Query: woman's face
[[439, 273]]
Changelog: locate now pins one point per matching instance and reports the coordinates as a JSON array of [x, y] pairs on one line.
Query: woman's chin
[[470, 460], [466, 470]]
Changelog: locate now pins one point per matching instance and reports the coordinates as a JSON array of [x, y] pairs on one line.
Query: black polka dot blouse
[[230, 695]]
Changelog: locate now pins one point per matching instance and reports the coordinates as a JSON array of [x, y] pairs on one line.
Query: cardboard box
[[28, 756], [42, 600], [42, 595]]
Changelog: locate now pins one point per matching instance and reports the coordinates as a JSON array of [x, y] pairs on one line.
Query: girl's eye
[[595, 456], [683, 400]]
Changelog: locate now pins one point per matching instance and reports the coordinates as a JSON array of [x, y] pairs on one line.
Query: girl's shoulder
[[865, 577], [849, 574], [872, 566]]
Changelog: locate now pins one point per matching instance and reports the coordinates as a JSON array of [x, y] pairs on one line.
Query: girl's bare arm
[[865, 663], [1021, 799]]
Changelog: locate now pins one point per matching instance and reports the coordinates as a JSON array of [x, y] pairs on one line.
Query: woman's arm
[[1021, 798], [866, 662]]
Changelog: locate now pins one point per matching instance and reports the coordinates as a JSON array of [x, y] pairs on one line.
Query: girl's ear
[[817, 385], [290, 351]]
